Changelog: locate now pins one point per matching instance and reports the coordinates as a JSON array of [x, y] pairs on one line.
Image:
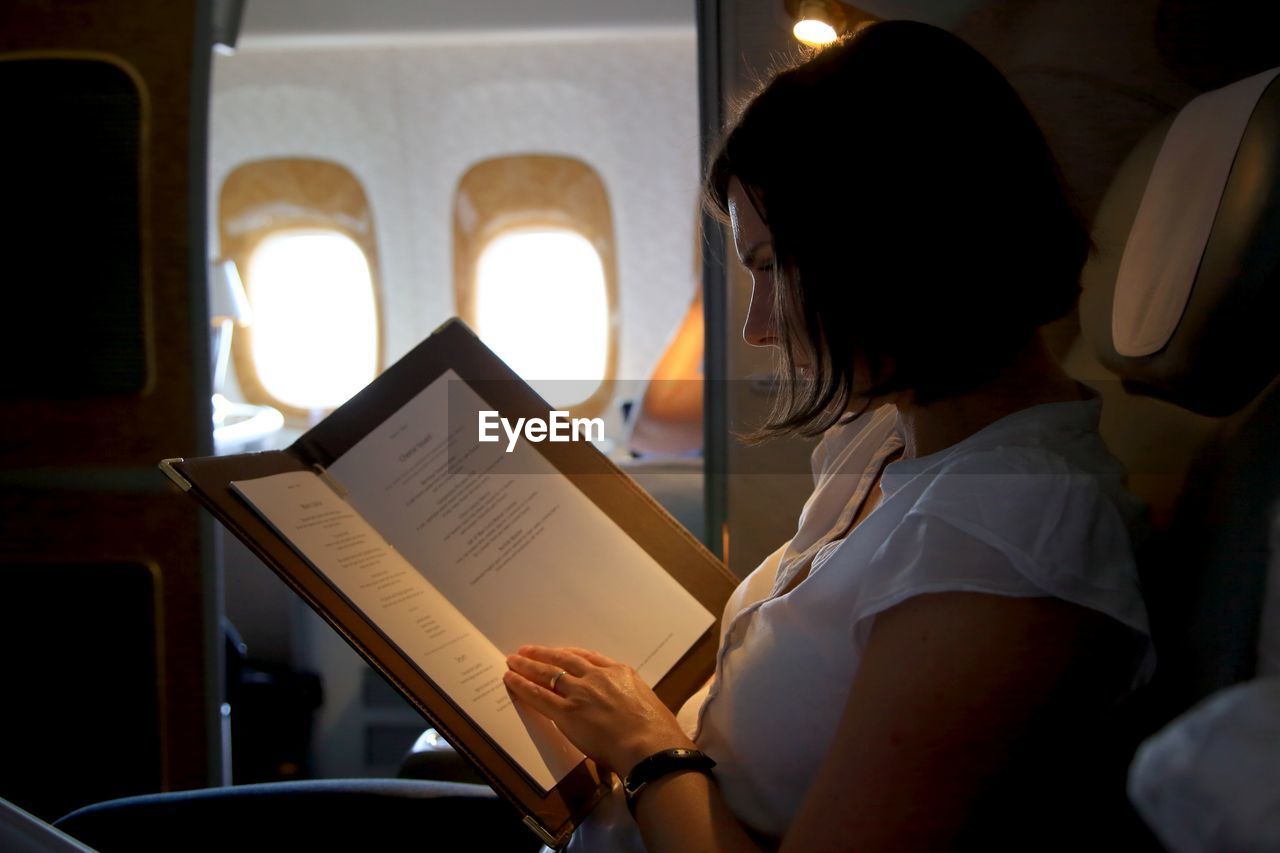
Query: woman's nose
[[759, 330]]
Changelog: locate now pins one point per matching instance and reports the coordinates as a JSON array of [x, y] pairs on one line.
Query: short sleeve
[[1014, 521]]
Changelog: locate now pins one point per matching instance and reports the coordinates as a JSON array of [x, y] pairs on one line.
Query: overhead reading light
[[818, 22]]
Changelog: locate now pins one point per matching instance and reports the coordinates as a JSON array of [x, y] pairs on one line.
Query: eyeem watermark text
[[558, 427]]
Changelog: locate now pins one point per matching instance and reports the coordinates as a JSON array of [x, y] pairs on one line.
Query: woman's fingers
[[535, 695], [536, 671], [592, 657], [567, 659], [531, 681], [603, 708]]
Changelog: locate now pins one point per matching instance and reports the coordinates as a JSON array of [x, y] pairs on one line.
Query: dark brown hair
[[918, 219]]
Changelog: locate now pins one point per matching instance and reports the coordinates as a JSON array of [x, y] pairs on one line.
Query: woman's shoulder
[[1038, 500], [1037, 437], [1042, 496], [1024, 465], [1020, 517]]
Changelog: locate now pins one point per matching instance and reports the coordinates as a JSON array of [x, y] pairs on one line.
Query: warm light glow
[[541, 306], [813, 32], [315, 327]]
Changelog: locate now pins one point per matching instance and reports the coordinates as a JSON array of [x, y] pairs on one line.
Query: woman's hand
[[601, 706]]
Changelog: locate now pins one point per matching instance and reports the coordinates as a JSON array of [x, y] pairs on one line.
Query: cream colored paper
[[510, 541], [409, 612]]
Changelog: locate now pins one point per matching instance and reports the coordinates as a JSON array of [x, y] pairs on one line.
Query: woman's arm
[[947, 685]]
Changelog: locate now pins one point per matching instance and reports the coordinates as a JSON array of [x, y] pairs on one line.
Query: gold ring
[[554, 679]]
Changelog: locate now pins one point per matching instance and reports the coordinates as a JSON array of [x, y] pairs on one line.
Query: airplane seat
[[1176, 316], [321, 814]]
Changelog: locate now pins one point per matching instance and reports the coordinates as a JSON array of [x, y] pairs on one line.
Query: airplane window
[[315, 338], [541, 305], [535, 273], [301, 232]]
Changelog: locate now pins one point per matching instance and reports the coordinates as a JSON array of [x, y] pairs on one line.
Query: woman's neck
[[1033, 378]]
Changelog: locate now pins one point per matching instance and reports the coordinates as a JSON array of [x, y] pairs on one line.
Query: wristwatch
[[662, 764]]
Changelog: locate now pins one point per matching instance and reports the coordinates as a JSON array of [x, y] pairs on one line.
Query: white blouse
[[1032, 505]]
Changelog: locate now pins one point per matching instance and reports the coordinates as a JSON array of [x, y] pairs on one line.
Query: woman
[[960, 591]]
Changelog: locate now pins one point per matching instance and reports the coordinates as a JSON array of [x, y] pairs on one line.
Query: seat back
[[1175, 315]]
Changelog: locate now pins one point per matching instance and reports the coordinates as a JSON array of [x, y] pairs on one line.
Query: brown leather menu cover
[[551, 815]]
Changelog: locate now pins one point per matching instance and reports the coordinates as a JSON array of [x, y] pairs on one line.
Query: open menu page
[[411, 613], [459, 552], [510, 541]]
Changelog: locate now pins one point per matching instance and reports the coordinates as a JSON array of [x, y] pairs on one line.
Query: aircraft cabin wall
[[409, 120]]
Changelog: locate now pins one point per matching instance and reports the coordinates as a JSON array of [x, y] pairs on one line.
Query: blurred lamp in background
[[228, 308], [236, 426]]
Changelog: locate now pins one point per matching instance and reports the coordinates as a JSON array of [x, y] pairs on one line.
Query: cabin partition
[[754, 493], [108, 598]]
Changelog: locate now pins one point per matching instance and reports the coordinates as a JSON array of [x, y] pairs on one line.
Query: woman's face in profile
[[754, 244]]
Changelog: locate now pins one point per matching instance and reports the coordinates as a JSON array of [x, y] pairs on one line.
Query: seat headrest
[[1182, 299]]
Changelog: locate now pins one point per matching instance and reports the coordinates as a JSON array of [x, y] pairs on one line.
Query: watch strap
[[661, 764]]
